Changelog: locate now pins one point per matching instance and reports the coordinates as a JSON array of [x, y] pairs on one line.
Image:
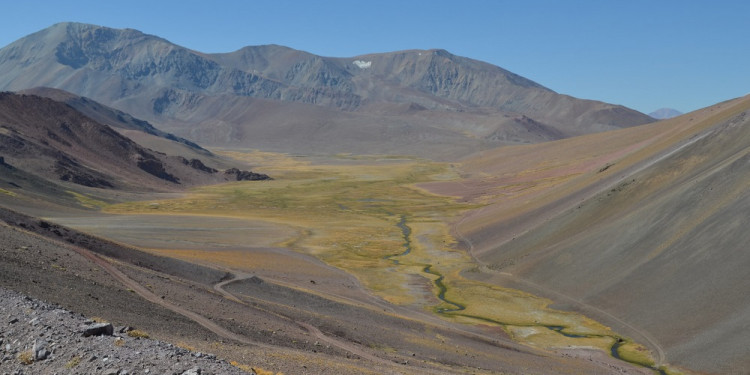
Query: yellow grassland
[[347, 214], [87, 201]]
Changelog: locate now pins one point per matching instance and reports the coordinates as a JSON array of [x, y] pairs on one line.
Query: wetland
[[367, 217]]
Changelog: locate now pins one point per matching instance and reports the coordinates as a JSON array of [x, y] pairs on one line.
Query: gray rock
[[99, 329], [40, 350], [62, 349]]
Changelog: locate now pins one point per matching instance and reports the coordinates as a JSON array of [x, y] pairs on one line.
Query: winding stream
[[442, 289], [406, 234]]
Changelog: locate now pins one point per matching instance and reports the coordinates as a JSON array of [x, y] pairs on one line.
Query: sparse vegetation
[[58, 267], [7, 192], [26, 357], [138, 334], [635, 353], [361, 218], [75, 361], [186, 346], [251, 370], [87, 201]]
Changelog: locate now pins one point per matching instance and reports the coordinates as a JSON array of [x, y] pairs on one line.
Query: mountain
[[664, 113], [644, 229], [422, 102], [45, 140], [110, 116]]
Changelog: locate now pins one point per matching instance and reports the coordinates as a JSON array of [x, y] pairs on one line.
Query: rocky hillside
[[645, 224], [275, 97], [110, 116], [51, 140], [40, 338]]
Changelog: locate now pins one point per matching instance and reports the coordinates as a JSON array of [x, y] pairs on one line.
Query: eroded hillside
[[643, 228]]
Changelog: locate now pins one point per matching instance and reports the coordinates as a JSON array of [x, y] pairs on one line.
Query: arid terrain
[[408, 212]]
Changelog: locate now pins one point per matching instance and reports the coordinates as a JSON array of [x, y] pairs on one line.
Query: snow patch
[[362, 64]]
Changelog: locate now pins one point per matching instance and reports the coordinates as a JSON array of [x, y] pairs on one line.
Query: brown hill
[[642, 228], [109, 116], [423, 102], [51, 140]]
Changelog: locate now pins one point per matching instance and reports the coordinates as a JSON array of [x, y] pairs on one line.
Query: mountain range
[[422, 102], [636, 223]]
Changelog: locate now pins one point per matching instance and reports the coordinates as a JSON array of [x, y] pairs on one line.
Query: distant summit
[[419, 102], [664, 113]]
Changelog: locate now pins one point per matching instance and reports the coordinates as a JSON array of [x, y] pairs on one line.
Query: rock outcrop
[[240, 175]]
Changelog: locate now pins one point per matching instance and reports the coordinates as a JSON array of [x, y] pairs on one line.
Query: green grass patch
[[635, 353], [352, 215], [87, 201], [8, 192]]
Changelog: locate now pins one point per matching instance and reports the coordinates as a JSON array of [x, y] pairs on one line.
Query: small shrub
[[185, 346], [73, 362], [138, 334], [26, 357], [253, 370]]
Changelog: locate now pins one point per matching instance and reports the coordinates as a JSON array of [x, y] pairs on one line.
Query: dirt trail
[[314, 331], [146, 294], [151, 297], [340, 343]]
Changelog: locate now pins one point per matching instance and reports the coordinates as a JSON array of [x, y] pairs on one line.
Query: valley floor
[[330, 244]]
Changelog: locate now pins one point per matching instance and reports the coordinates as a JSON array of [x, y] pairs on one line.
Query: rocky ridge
[[41, 338], [428, 103], [53, 140]]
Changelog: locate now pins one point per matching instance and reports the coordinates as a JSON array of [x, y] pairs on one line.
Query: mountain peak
[[664, 113], [165, 83]]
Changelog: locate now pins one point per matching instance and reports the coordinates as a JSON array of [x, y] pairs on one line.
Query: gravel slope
[[40, 338]]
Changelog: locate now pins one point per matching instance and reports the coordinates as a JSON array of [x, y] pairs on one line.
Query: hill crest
[[274, 97]]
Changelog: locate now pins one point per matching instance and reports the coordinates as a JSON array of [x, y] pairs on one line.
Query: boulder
[[99, 329], [240, 175], [39, 350]]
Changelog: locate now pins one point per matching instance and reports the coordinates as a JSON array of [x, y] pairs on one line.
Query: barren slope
[[648, 225], [44, 139]]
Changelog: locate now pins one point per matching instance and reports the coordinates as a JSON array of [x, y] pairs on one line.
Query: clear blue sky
[[643, 54]]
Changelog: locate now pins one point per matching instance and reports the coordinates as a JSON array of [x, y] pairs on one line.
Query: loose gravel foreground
[[40, 338]]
